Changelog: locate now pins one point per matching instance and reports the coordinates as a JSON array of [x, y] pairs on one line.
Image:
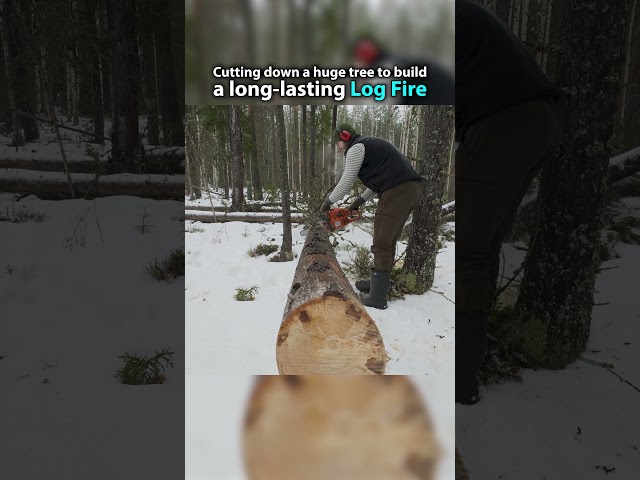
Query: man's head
[[342, 134], [366, 51]]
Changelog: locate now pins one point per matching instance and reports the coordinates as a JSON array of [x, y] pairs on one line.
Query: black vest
[[494, 70], [384, 166]]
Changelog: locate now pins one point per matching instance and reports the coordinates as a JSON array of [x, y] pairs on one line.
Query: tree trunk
[[630, 101], [88, 187], [325, 329], [286, 254], [295, 163], [25, 60], [260, 207], [312, 146], [250, 31], [553, 310], [194, 182], [161, 164], [125, 150], [237, 162], [147, 61], [306, 427], [18, 140], [209, 217], [434, 165], [255, 163], [94, 75], [303, 160], [172, 127], [104, 55], [332, 165]]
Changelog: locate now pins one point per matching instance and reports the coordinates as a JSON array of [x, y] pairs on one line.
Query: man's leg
[[393, 210], [494, 166]]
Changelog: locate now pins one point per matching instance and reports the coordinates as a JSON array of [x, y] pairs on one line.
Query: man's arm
[[355, 157]]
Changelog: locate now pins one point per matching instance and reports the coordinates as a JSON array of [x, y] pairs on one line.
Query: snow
[[579, 422], [67, 314], [618, 159], [227, 341], [77, 148]]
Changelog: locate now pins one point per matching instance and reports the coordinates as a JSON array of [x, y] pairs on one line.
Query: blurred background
[[308, 32]]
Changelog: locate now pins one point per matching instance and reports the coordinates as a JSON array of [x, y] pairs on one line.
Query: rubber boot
[[471, 346], [380, 285], [364, 285]]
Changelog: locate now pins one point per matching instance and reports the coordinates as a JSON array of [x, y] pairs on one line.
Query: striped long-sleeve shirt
[[353, 162]]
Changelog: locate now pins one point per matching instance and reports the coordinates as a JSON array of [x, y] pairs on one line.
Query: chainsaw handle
[[354, 215]]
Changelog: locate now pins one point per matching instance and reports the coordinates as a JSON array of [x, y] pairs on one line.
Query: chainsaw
[[336, 218]]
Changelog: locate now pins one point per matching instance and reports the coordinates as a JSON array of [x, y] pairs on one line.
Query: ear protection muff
[[344, 135]]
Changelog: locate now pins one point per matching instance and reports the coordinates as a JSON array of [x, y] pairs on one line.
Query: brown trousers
[[394, 207], [496, 161]]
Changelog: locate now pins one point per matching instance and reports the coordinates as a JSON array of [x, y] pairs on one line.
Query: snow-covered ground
[[225, 337], [578, 423], [66, 316], [228, 337], [76, 144]]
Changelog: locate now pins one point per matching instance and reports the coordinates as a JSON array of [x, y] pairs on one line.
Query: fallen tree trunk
[[85, 186], [448, 208], [154, 164], [325, 329], [249, 208], [321, 427], [627, 187], [238, 217], [618, 170]]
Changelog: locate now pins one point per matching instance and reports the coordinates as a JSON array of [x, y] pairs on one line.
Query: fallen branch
[[609, 368]]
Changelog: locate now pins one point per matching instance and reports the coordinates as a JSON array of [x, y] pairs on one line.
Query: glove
[[325, 206], [356, 204]]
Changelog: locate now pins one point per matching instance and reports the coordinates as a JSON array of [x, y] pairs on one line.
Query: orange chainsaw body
[[341, 217]]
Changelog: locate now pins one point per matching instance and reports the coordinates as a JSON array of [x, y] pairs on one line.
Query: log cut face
[[333, 427], [325, 329]]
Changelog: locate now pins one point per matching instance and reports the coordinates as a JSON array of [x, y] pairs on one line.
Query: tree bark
[[303, 160], [125, 150], [161, 164], [172, 126], [18, 140], [305, 428], [332, 165], [255, 162], [24, 60], [208, 217], [435, 146], [312, 146], [191, 150], [93, 59], [149, 74], [286, 254], [88, 187], [325, 329], [237, 162], [553, 311]]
